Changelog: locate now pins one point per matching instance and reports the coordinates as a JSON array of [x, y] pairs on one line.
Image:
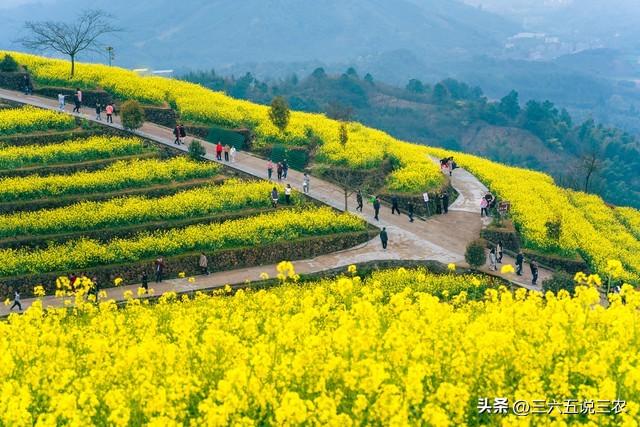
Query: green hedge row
[[58, 137], [89, 96], [163, 116]]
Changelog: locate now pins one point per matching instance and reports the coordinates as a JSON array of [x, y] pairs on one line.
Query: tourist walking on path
[[145, 281], [77, 99], [410, 209], [26, 82], [109, 111], [61, 101], [98, 111], [445, 202], [499, 251], [519, 263], [305, 183], [483, 208], [269, 169], [183, 131], [16, 301], [376, 208], [444, 166], [285, 169], [394, 205], [384, 238], [287, 194], [159, 268], [359, 201], [219, 151], [232, 153], [226, 152], [274, 197], [534, 271], [176, 133], [203, 263], [493, 260], [279, 171]]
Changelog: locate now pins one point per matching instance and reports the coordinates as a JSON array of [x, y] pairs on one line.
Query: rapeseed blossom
[[97, 147], [31, 119], [384, 350], [366, 148], [507, 269]]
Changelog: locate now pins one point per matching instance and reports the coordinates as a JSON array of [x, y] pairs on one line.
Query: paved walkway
[[440, 238]]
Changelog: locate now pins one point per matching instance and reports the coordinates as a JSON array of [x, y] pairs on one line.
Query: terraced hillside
[[107, 206]]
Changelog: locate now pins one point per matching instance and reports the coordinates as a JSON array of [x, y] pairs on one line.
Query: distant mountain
[[613, 23], [208, 33]]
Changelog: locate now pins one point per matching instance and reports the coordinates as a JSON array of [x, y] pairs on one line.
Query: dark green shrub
[[475, 254], [8, 64], [226, 136], [298, 158], [278, 153], [132, 115], [559, 281], [196, 150], [554, 229]]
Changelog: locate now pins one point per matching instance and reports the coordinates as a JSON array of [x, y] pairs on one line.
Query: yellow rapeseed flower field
[[366, 147], [283, 225], [124, 174], [94, 148], [30, 119], [389, 350], [231, 196]]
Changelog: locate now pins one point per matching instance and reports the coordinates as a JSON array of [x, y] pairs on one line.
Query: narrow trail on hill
[[442, 238]]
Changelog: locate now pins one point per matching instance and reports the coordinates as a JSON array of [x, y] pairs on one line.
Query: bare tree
[[589, 165], [337, 111], [70, 38], [348, 179]]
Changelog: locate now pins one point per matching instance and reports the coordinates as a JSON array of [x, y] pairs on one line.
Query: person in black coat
[[534, 271], [410, 209], [384, 238], [376, 208], [445, 202], [145, 281], [359, 201], [519, 263], [394, 205]]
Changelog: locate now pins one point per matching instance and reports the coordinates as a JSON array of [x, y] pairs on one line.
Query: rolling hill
[[165, 33]]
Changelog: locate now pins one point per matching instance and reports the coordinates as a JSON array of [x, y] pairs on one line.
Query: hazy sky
[[12, 3]]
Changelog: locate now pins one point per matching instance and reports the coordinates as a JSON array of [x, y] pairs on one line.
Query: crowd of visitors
[[447, 165]]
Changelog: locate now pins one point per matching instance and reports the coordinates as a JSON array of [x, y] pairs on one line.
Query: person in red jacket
[[219, 151]]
